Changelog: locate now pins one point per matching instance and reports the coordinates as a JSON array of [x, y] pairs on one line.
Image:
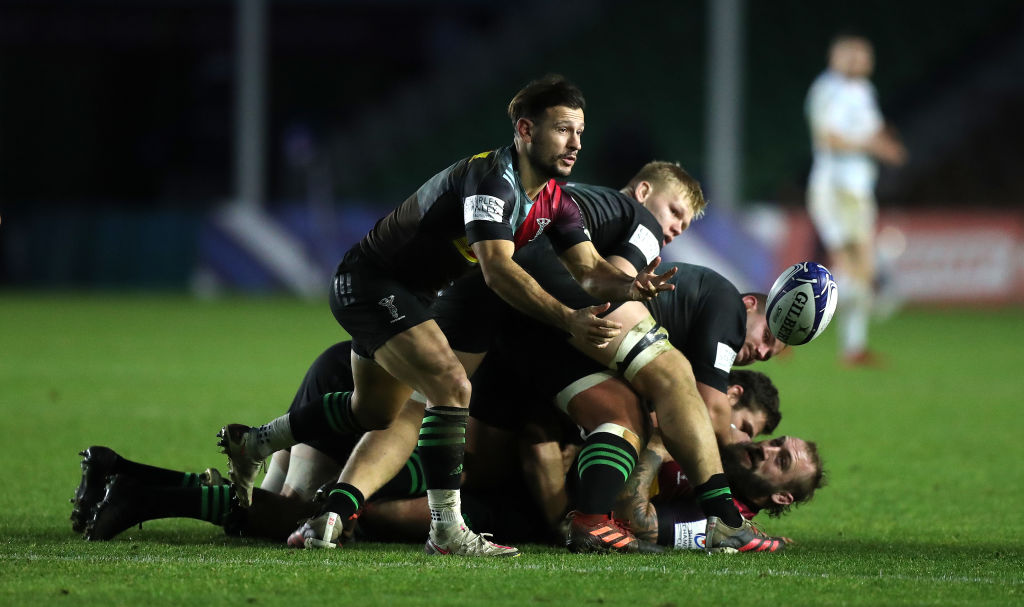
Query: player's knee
[[449, 387]]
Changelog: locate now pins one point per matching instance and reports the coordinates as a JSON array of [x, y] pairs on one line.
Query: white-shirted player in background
[[849, 135]]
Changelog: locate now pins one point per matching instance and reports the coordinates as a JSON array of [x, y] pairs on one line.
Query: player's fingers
[[645, 290], [651, 267], [667, 275], [599, 337], [600, 308]]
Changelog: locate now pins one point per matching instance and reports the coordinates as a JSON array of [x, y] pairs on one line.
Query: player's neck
[[532, 180]]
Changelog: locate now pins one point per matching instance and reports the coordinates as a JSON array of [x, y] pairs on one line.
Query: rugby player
[[474, 214], [627, 227], [773, 475], [848, 136]]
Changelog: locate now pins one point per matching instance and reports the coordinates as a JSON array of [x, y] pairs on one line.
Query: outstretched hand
[[647, 284]]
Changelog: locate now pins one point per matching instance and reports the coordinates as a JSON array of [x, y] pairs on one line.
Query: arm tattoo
[[634, 502]]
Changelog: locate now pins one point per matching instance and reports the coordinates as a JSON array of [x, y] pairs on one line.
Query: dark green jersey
[[705, 319], [618, 224], [426, 241]]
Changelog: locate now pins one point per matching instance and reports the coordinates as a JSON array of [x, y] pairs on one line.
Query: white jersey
[[846, 107]]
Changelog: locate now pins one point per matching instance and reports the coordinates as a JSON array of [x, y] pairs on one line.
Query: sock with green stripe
[[442, 448], [604, 464], [409, 482], [344, 500], [152, 475], [210, 504], [715, 499], [326, 417]]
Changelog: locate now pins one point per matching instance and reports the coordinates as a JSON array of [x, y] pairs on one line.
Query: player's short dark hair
[[550, 91], [759, 394]]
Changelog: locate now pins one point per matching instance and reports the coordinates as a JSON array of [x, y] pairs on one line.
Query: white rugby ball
[[801, 303]]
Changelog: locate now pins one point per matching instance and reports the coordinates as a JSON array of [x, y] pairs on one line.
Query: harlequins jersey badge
[[542, 222], [389, 304]]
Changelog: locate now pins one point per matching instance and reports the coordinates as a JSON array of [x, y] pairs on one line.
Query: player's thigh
[[665, 378], [861, 254], [629, 315], [377, 392], [421, 357], [609, 401]]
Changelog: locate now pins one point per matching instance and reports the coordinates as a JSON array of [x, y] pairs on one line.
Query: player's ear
[[524, 128], [642, 190], [734, 392], [782, 498], [750, 302]]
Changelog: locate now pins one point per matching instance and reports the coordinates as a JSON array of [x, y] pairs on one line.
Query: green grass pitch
[[925, 504]]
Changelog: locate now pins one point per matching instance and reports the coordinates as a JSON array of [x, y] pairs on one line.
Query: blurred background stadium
[[213, 146]]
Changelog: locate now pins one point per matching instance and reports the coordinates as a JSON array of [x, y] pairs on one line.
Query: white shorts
[[842, 216]]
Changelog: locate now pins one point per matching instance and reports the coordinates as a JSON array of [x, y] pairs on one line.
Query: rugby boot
[[462, 541], [122, 508], [721, 538], [211, 477], [97, 464], [608, 535], [237, 441]]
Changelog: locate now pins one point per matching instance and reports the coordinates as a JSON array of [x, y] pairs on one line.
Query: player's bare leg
[[662, 375], [308, 470], [277, 471], [417, 357], [855, 271], [381, 454], [610, 413]]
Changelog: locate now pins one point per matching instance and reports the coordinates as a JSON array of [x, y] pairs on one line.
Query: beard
[[547, 164], [745, 483]]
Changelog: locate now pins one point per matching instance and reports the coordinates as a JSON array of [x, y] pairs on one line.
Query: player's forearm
[[605, 282], [634, 502], [837, 143]]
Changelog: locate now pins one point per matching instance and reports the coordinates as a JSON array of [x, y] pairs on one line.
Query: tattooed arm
[[634, 503]]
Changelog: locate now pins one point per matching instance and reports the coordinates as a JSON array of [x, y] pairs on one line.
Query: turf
[[923, 505]]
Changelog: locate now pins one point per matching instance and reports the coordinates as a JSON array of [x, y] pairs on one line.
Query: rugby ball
[[801, 303]]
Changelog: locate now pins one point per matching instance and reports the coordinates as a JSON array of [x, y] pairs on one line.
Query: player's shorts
[[330, 372], [468, 313], [841, 216], [371, 305]]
